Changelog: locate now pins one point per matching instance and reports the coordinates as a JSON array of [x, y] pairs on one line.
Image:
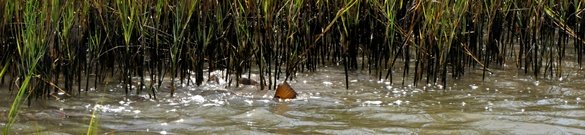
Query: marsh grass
[[94, 120], [93, 127], [48, 46], [31, 49]]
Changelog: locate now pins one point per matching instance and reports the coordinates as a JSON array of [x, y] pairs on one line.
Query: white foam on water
[[372, 102], [473, 86], [198, 99], [397, 102]]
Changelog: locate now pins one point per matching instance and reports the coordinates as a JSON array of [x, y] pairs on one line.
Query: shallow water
[[504, 103]]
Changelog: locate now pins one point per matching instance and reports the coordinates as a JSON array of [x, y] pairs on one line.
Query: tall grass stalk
[[94, 121], [31, 50], [182, 15]]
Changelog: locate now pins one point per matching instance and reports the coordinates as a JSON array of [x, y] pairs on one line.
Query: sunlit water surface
[[504, 103]]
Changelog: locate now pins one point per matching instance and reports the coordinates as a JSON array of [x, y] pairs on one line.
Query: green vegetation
[[49, 46], [93, 127]]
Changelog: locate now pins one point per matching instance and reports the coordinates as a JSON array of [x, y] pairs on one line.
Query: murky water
[[504, 103]]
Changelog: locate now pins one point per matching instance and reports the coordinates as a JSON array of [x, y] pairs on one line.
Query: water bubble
[[264, 101], [473, 86], [219, 102], [180, 120], [198, 99], [489, 106], [397, 102], [249, 102], [250, 123], [372, 103], [536, 83], [396, 91]]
